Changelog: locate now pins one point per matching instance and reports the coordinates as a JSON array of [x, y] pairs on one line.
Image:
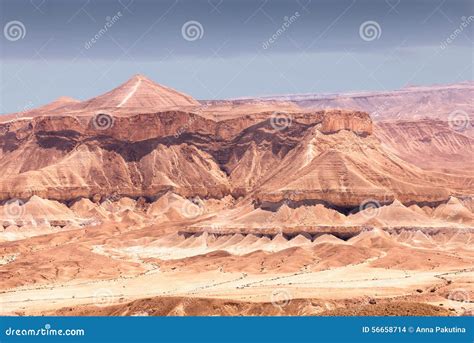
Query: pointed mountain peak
[[136, 78], [140, 77], [397, 203], [139, 92]]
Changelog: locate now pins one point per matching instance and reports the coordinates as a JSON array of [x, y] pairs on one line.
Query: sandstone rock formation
[[357, 122], [146, 140], [431, 144]]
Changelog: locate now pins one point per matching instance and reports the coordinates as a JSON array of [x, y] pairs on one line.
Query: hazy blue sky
[[322, 50]]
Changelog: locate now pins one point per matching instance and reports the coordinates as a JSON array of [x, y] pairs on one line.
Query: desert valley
[[146, 201]]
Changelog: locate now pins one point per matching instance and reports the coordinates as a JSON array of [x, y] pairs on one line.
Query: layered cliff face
[[142, 155], [357, 122], [429, 126], [295, 155], [431, 144], [343, 170], [318, 157]]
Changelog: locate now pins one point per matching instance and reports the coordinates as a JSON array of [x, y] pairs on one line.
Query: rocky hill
[[143, 140]]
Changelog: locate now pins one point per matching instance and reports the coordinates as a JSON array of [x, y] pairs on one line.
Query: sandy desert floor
[[128, 270]]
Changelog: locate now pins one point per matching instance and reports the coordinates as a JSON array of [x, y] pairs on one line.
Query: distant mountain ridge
[[409, 103]]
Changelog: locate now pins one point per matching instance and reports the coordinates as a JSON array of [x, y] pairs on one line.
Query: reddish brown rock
[[209, 150], [358, 122]]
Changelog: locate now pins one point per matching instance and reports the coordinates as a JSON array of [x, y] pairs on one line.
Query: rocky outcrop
[[269, 155], [358, 122]]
